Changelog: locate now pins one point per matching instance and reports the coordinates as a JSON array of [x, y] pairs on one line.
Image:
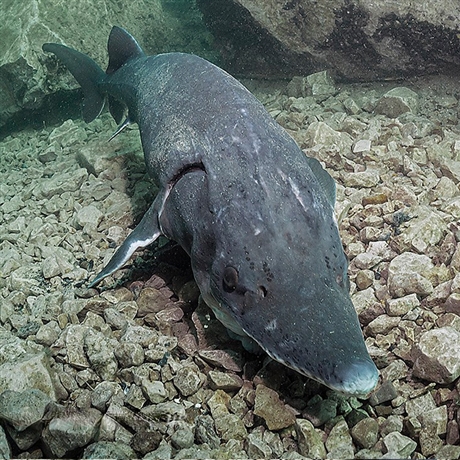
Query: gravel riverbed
[[140, 368]]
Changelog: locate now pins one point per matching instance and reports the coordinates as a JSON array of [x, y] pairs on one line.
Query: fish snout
[[356, 378]]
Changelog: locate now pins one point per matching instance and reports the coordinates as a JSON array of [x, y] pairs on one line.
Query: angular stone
[[102, 394], [155, 391], [189, 380], [366, 179], [435, 419], [100, 354], [426, 229], [363, 145], [205, 431], [23, 367], [320, 411], [319, 132], [392, 423], [146, 440], [23, 409], [339, 442], [386, 392], [5, 450], [129, 354], [398, 444], [396, 102], [182, 438], [364, 279], [224, 381], [402, 305], [310, 441], [419, 405], [164, 411], [48, 333], [430, 443], [269, 406], [229, 426], [71, 431], [437, 355], [408, 273], [89, 216], [257, 448], [395, 370], [104, 449], [365, 433], [448, 452], [383, 324]]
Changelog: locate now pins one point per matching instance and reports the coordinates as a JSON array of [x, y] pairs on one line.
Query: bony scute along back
[[257, 222]]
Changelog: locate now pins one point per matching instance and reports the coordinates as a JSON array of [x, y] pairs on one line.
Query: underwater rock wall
[[28, 77], [360, 40]]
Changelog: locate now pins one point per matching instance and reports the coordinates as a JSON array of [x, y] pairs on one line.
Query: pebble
[[437, 355]]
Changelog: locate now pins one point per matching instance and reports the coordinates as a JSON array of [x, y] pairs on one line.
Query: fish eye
[[230, 279]]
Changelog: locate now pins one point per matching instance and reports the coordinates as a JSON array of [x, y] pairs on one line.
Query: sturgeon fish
[[254, 213]]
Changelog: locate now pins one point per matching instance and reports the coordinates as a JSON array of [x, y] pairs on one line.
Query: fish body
[[253, 212]]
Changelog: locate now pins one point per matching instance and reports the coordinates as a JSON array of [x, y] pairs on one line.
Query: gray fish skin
[[236, 192]]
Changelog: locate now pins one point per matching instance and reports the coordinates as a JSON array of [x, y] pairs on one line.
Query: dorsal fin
[[121, 47], [324, 178]]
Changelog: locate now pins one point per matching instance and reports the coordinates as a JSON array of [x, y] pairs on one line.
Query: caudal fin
[[86, 72]]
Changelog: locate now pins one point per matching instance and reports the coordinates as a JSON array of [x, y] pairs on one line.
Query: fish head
[[281, 275]]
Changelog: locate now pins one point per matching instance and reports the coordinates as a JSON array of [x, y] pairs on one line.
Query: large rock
[[84, 25], [437, 355], [361, 40], [24, 366]]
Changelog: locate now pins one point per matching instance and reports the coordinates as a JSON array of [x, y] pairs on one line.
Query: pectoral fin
[[146, 232]]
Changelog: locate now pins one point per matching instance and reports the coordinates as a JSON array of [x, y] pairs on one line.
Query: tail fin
[[86, 72]]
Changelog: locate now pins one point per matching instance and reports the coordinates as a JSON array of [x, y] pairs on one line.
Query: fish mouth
[[357, 378]]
